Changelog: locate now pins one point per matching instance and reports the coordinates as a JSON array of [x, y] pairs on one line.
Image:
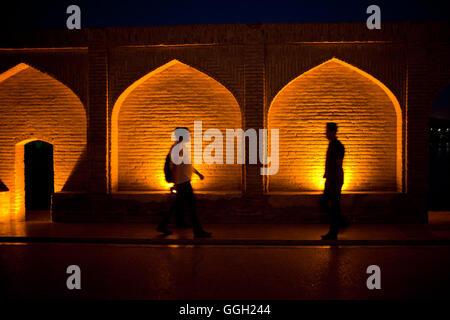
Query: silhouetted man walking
[[181, 174], [334, 175]]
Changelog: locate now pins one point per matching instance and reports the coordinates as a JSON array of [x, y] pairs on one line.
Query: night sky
[[441, 106], [47, 13], [52, 14]]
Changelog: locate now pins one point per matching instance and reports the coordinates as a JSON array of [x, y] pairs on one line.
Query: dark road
[[223, 272]]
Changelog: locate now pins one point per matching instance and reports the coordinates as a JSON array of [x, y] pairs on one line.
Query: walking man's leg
[[335, 211], [324, 199], [179, 217], [331, 194], [174, 209], [192, 207]]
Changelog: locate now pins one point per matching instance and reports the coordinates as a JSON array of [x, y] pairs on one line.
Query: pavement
[[221, 272], [244, 261], [436, 232]]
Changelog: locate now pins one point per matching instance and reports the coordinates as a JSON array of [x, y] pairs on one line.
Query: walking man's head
[[331, 130], [181, 134]]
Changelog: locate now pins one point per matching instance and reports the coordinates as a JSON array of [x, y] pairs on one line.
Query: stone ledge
[[213, 208]]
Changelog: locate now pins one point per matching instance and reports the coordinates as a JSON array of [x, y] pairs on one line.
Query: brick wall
[[35, 106], [4, 205], [97, 135], [253, 63], [176, 95], [367, 120], [254, 112]]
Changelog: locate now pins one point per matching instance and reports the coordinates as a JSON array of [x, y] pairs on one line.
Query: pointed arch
[[36, 106], [370, 121], [145, 114]]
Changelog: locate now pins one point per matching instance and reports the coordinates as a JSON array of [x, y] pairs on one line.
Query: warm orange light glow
[[146, 113], [36, 106], [4, 205], [370, 126], [19, 183]]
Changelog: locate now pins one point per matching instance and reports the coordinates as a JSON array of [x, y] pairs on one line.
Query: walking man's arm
[[198, 173]]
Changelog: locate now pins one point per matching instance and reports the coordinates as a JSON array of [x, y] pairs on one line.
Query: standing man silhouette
[[334, 175], [182, 174]]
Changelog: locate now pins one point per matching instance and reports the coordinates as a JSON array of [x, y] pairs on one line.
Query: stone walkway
[[437, 232]]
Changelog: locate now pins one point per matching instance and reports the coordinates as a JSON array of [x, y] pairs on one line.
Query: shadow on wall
[[3, 187], [78, 178], [4, 201]]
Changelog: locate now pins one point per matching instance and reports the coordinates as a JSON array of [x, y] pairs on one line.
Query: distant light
[[447, 129], [439, 130]]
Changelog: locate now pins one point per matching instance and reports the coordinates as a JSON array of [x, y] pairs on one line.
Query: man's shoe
[[164, 230], [329, 236], [202, 234]]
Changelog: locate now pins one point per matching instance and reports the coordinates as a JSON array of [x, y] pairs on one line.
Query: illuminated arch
[[370, 126], [35, 106], [145, 115]]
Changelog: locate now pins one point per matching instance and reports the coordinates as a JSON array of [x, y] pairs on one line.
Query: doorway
[[39, 179]]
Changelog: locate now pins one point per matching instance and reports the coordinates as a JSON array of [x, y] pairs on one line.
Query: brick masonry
[[35, 106], [367, 122], [252, 76], [175, 97]]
